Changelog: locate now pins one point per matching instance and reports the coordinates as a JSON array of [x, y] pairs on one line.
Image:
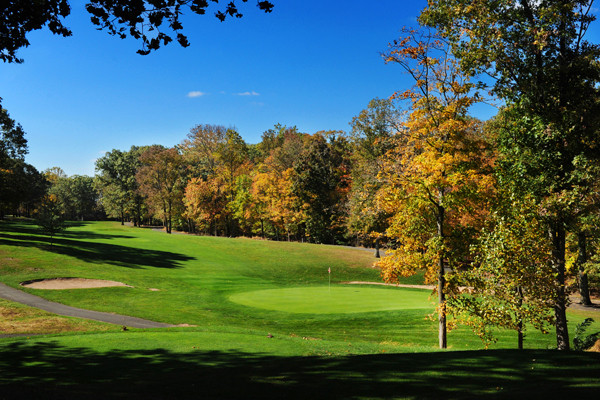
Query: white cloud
[[248, 94], [196, 94]]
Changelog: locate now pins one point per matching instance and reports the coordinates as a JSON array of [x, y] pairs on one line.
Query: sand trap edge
[[70, 283]]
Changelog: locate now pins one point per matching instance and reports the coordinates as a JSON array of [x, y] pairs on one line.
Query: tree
[[205, 202], [159, 180], [76, 194], [14, 172], [200, 149], [511, 282], [273, 202], [13, 144], [140, 19], [548, 75], [274, 199], [232, 154], [116, 182], [217, 156], [321, 184], [372, 135], [435, 177], [21, 187], [49, 216]]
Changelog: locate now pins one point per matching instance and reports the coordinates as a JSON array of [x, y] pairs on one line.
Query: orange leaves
[[204, 200], [433, 179]]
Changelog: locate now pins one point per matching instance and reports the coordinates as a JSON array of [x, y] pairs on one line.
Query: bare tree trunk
[[377, 255]]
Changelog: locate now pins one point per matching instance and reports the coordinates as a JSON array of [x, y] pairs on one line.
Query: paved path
[[19, 296]]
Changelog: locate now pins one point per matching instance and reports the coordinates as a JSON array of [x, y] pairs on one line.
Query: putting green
[[340, 299]]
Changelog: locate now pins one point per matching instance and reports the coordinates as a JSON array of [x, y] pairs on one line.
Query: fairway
[[337, 300]]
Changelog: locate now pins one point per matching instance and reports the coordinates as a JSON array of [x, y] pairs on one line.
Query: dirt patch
[[596, 347], [70, 283]]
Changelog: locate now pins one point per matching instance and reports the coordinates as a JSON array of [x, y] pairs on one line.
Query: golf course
[[250, 319]]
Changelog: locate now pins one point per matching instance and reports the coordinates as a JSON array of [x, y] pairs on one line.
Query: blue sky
[[312, 64]]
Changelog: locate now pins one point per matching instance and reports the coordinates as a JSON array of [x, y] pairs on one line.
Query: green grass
[[357, 341], [183, 364], [335, 300]]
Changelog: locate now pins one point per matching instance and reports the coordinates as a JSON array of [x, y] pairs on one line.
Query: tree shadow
[[87, 249], [29, 231], [52, 371]]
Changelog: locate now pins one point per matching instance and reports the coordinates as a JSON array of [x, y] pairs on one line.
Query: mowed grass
[[223, 365], [353, 342], [336, 300]]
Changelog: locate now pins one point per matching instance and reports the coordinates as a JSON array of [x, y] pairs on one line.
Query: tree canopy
[[154, 22]]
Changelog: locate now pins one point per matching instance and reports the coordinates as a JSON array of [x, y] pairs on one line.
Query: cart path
[[19, 296]]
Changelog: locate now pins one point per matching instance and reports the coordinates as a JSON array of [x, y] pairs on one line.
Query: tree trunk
[[584, 291], [442, 331], [169, 217], [558, 235], [521, 336], [377, 255]]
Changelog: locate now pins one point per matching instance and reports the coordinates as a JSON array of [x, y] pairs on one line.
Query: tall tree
[[76, 194], [434, 177], [548, 75], [205, 201], [321, 184], [200, 149], [372, 135], [160, 180], [116, 182], [13, 147], [232, 154]]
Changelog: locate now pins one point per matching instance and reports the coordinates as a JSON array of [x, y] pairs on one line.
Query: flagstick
[[329, 279]]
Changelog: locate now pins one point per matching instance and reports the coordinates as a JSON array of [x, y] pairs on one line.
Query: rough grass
[[20, 319]]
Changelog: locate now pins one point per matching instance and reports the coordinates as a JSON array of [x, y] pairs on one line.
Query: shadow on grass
[[50, 371], [86, 249], [28, 230]]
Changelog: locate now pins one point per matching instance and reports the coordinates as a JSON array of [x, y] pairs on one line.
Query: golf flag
[[330, 270]]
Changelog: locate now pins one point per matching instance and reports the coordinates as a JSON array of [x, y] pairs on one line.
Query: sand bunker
[[70, 283]]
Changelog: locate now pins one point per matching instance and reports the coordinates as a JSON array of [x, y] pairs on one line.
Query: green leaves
[[581, 341]]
